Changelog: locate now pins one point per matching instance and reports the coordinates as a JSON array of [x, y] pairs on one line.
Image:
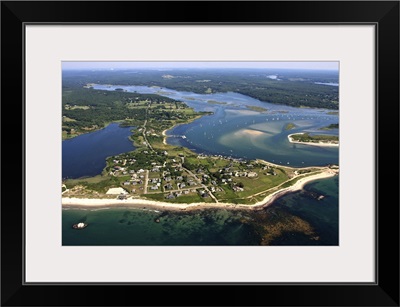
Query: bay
[[85, 155], [244, 127]]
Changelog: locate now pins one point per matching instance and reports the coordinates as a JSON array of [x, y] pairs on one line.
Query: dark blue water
[[85, 155]]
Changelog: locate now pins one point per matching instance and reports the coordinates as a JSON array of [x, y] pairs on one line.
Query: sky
[[180, 65]]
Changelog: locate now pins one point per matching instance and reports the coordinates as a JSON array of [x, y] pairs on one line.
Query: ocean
[[298, 218]]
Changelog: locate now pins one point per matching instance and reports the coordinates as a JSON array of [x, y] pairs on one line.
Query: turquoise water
[[232, 130]]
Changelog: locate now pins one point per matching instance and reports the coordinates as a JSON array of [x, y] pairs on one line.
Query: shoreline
[[95, 203], [322, 144], [164, 134]]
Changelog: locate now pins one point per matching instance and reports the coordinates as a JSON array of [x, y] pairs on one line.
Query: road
[[202, 185], [146, 180]]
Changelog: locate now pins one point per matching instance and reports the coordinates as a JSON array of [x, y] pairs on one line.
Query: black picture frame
[[383, 14]]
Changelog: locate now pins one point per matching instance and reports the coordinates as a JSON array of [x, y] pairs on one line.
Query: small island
[[316, 140]]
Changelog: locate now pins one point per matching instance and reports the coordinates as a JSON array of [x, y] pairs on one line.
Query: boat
[[79, 226]]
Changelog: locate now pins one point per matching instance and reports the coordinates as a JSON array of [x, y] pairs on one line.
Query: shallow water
[[234, 129], [294, 219]]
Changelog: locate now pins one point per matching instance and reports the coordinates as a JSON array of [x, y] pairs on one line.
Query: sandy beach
[[321, 144], [68, 202], [164, 134], [248, 132]]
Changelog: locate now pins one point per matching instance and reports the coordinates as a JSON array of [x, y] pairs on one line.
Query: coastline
[[164, 134], [321, 144], [143, 203]]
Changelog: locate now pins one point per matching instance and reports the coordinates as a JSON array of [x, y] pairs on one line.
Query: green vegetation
[[307, 138], [215, 102], [257, 109], [294, 88], [86, 109], [289, 126], [330, 127], [162, 172]]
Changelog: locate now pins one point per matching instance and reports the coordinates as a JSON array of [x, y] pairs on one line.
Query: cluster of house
[[237, 188], [203, 193], [122, 168], [156, 183], [136, 177]]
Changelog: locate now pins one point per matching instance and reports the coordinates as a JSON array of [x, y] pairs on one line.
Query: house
[[238, 189], [154, 187], [204, 195], [168, 186], [126, 183], [252, 174]]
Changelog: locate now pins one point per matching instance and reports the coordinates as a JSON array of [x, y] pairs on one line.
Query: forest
[[295, 88], [85, 109]]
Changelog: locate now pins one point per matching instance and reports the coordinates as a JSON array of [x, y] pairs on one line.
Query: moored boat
[[79, 225]]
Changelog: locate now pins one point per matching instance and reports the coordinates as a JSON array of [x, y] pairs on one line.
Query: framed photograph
[[254, 149]]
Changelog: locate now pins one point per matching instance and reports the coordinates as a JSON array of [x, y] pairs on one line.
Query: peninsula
[[164, 176], [315, 140]]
